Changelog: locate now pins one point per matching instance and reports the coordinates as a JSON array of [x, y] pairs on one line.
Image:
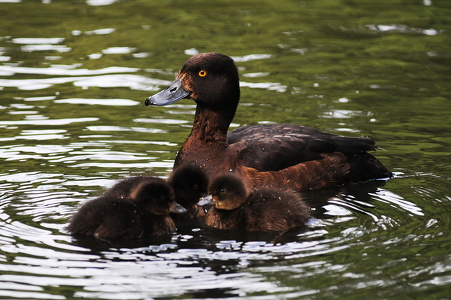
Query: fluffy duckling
[[189, 183], [128, 211], [263, 209]]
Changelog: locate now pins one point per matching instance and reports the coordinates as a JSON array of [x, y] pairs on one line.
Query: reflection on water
[[192, 261], [73, 78]]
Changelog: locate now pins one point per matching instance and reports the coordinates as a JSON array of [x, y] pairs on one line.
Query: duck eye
[[202, 73]]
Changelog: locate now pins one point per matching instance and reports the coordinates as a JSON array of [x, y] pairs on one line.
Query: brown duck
[[282, 155]]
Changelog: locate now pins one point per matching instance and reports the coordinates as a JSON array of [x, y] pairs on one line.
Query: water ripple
[[120, 80], [37, 40], [251, 57], [112, 102], [49, 121], [397, 201], [400, 28], [271, 86], [67, 70]]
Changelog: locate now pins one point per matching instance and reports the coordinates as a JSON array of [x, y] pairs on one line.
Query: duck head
[[207, 78]]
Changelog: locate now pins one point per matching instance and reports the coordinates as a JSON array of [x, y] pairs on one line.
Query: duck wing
[[272, 147]]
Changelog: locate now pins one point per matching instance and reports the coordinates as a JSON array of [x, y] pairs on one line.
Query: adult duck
[[289, 156]]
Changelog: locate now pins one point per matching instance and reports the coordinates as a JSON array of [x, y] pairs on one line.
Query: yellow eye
[[202, 73]]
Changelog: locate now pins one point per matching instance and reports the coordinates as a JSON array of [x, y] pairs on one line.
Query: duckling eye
[[202, 73]]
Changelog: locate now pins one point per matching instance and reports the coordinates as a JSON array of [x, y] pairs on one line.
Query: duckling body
[[283, 155], [127, 211], [263, 209], [122, 189]]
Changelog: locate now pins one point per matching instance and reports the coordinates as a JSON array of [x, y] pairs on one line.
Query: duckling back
[[272, 209], [261, 209], [108, 218], [133, 208]]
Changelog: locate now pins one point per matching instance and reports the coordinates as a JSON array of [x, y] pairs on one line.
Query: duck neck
[[207, 145], [211, 125]]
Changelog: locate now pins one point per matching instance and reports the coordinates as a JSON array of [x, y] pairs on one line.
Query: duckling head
[[228, 192], [155, 196], [189, 183]]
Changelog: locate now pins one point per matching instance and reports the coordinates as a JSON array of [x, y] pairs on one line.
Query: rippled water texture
[[73, 79]]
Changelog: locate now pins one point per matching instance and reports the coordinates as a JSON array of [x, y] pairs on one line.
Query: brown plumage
[[135, 207], [284, 155], [189, 184], [263, 209]]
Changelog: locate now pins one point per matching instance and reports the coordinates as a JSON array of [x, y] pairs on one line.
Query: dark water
[[73, 78]]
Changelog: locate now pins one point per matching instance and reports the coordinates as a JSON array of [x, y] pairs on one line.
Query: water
[[73, 79]]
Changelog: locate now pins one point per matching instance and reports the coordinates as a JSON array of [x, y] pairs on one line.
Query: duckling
[[286, 156], [189, 183], [107, 218], [262, 209], [127, 211]]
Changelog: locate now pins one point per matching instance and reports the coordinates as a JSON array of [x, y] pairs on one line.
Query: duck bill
[[176, 208], [207, 200], [171, 94]]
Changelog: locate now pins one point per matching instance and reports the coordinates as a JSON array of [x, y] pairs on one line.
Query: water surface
[[73, 79]]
